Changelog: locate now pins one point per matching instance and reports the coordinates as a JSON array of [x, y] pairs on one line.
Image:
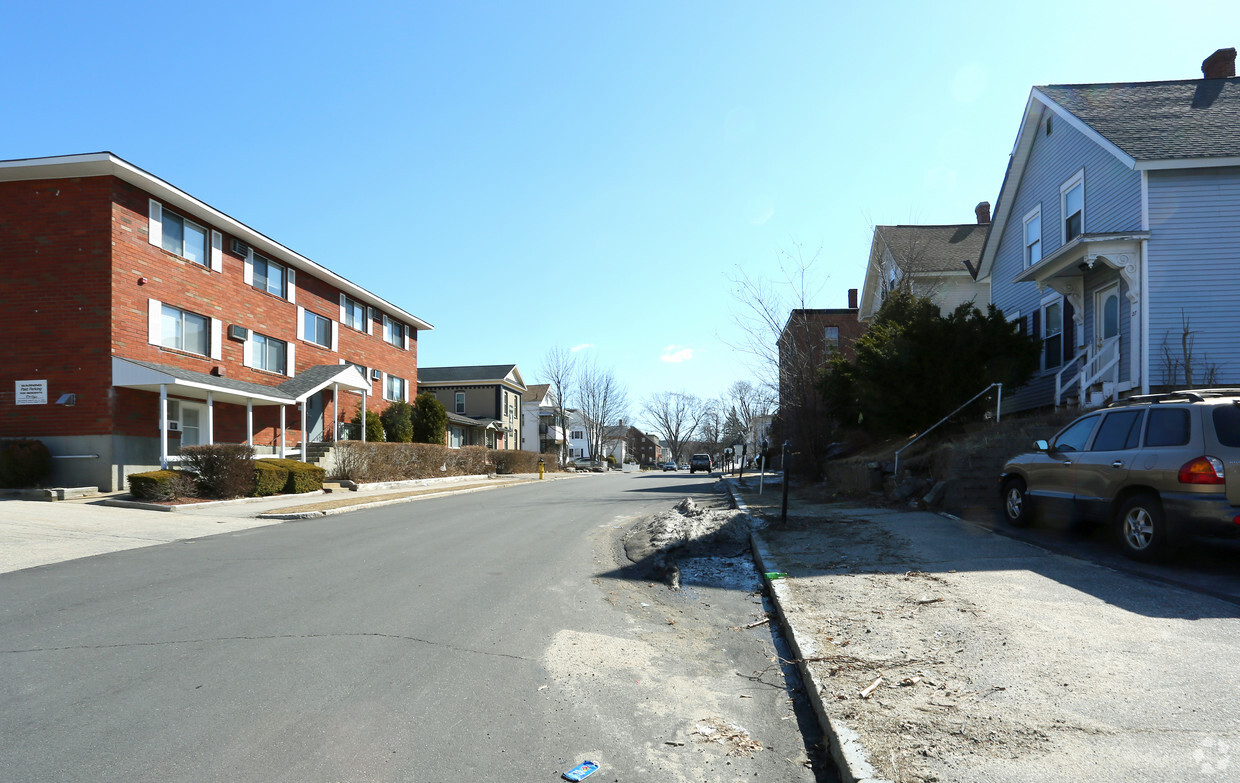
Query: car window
[[1227, 424], [1120, 430], [1075, 435], [1167, 427]]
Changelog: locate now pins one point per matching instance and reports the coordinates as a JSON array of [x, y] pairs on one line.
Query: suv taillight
[[1203, 470]]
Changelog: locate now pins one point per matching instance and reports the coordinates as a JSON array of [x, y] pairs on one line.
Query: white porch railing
[[1061, 387], [1099, 362]]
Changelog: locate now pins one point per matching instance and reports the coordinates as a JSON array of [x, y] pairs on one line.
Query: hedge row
[[371, 462], [226, 471]]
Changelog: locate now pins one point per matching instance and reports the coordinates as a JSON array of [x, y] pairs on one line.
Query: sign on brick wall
[[31, 392]]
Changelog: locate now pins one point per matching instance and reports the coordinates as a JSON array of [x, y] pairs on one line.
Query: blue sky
[[525, 176]]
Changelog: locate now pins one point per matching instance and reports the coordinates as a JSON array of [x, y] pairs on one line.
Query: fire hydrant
[[541, 467]]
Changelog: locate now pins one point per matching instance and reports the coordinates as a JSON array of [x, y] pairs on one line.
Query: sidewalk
[[999, 661], [35, 533]]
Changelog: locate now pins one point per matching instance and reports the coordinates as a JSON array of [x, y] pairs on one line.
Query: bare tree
[[602, 400], [676, 416], [1186, 363], [710, 427], [782, 334], [559, 371], [749, 402], [764, 307]]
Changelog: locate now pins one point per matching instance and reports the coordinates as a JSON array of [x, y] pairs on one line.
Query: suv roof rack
[[1190, 395]]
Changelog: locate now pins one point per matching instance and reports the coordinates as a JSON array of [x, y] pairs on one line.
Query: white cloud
[[581, 347], [675, 354]]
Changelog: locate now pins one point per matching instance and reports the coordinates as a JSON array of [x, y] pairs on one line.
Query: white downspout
[[210, 418], [302, 443], [363, 416], [163, 426], [249, 422], [282, 416]]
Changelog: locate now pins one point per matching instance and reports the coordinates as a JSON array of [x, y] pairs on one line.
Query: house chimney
[[982, 211], [852, 299], [1220, 65]]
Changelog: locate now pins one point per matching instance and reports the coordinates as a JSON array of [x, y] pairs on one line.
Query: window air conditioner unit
[[236, 332], [240, 248], [376, 375]]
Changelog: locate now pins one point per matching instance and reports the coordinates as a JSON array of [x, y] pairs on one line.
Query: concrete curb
[[138, 504], [851, 759], [295, 515]]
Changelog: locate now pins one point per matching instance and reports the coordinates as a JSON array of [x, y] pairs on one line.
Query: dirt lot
[[994, 660]]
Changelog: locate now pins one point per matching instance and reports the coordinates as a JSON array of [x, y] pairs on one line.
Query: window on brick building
[[317, 329], [185, 238], [460, 402], [269, 354], [354, 313], [832, 338], [394, 388], [394, 332], [270, 276], [184, 331]]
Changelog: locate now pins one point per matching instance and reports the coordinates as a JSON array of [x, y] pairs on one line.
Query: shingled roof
[[934, 248], [1193, 118]]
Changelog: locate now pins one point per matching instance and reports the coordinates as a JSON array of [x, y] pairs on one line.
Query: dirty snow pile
[[687, 531]]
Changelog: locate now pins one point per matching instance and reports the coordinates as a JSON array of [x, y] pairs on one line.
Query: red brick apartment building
[[139, 319]]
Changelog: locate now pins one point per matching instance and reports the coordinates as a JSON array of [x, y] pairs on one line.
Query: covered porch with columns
[[1101, 277], [188, 391]]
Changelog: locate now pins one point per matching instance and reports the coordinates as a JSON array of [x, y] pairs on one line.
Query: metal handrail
[[998, 413]]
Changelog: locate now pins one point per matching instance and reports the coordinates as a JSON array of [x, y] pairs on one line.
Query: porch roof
[[482, 424], [149, 376], [1083, 248]]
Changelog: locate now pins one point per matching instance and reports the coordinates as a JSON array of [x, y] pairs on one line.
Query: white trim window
[[394, 388], [352, 313], [1052, 333], [269, 354], [1072, 207], [181, 330], [185, 238], [270, 276], [394, 332], [317, 329], [460, 402], [1033, 236]]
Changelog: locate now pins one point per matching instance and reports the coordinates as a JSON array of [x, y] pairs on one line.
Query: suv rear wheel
[[1142, 528], [1016, 508]]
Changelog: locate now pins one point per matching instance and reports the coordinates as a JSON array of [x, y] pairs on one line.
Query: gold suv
[[1158, 467]]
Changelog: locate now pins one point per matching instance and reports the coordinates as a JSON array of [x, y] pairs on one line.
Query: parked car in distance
[[587, 464], [699, 462], [1158, 467], [684, 466], [669, 466]]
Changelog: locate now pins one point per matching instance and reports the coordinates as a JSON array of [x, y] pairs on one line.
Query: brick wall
[[224, 295], [72, 255], [54, 304]]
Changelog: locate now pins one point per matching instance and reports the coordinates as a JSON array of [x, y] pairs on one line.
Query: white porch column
[[363, 416], [163, 426], [335, 412], [282, 432], [249, 422], [210, 418], [302, 443]]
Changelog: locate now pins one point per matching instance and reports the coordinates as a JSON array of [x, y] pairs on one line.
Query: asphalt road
[[485, 637]]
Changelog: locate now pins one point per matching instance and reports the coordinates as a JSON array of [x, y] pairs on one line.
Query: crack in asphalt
[[399, 637]]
